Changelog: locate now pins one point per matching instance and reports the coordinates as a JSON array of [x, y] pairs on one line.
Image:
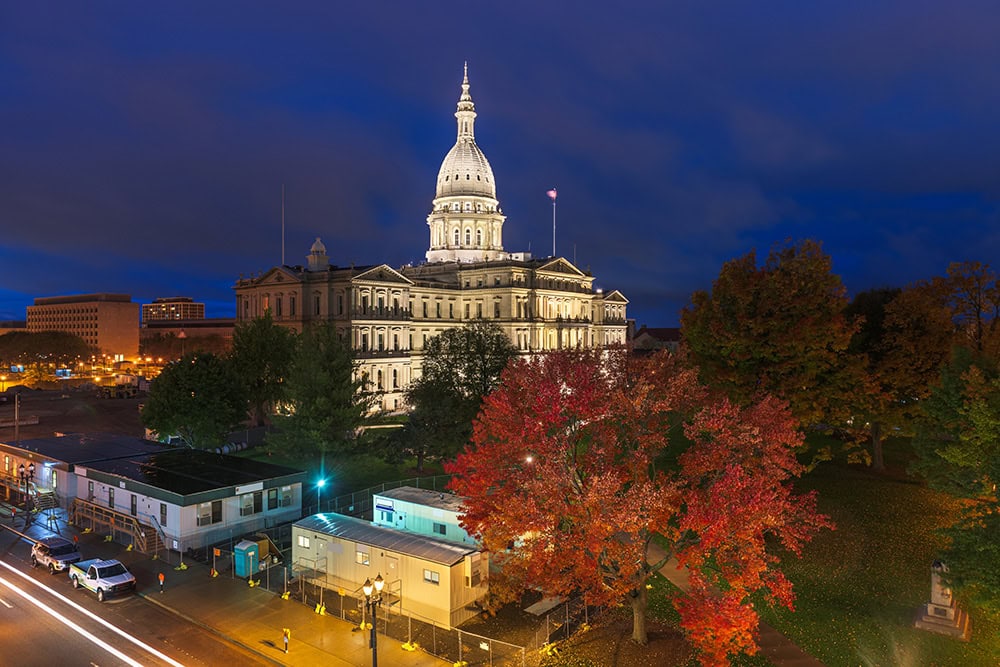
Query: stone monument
[[941, 614]]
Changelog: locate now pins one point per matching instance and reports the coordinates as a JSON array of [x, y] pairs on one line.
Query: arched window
[[468, 236], [479, 237], [456, 237], [379, 380]]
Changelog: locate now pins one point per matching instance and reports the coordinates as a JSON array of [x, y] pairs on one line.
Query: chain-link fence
[[316, 590], [309, 584], [359, 503]]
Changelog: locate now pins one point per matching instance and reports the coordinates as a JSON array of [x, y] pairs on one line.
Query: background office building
[[109, 323], [173, 308]]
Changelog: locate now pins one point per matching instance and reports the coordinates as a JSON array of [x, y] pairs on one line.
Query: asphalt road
[[45, 621]]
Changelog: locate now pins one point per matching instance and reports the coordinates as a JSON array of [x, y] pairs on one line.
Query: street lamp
[[319, 494], [27, 476], [373, 600]]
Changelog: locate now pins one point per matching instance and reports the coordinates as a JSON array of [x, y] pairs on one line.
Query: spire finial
[[466, 97]]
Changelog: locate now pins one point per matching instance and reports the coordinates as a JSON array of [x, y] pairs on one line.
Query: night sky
[[143, 146]]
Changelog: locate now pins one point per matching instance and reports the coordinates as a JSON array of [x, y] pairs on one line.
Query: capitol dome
[[465, 169]]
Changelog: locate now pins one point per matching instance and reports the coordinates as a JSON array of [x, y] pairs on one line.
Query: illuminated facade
[[173, 308], [108, 323], [389, 314]]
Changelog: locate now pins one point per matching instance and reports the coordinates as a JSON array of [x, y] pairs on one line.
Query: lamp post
[[373, 600], [27, 476], [319, 495]]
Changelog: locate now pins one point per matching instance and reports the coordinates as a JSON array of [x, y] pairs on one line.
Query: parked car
[[104, 577], [56, 553]]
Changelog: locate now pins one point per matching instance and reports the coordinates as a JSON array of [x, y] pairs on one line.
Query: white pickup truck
[[104, 577]]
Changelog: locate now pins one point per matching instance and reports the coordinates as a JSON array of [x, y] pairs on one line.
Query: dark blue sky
[[143, 146]]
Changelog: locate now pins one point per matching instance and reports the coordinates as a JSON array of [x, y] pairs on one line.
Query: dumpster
[[246, 555]]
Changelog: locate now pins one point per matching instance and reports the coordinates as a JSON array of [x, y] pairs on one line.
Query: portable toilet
[[246, 555]]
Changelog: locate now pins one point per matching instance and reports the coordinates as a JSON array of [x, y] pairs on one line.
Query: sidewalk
[[250, 617], [773, 645]]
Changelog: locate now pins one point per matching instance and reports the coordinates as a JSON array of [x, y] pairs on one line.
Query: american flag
[[552, 194]]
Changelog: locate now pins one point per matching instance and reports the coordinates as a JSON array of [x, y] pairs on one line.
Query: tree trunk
[[878, 462], [638, 602]]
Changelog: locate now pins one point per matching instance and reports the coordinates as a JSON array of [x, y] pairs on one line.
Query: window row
[[248, 503]]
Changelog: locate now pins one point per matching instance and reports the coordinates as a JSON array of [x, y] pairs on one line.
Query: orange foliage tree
[[563, 483], [779, 328]]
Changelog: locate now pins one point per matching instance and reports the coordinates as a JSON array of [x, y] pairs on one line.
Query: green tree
[[261, 356], [958, 451], [198, 398], [779, 328], [171, 346], [57, 347], [42, 351], [460, 367], [325, 400]]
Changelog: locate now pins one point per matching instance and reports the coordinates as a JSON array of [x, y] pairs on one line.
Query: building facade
[[173, 308], [433, 580], [149, 494], [109, 323], [389, 313], [422, 511]]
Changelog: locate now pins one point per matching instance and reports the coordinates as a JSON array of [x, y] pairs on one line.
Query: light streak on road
[[65, 621]]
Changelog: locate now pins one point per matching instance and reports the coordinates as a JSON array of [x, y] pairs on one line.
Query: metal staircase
[[145, 538], [45, 500]]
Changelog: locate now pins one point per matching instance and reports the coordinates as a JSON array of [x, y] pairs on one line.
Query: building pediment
[[383, 273], [614, 296], [278, 275], [561, 266]]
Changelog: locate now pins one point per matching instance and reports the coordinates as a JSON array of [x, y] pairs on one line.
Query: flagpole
[[552, 195], [282, 224]]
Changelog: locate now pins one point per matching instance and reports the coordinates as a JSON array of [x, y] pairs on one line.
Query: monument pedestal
[[942, 620], [941, 614]]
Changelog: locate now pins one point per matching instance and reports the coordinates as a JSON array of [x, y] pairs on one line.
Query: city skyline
[[146, 154]]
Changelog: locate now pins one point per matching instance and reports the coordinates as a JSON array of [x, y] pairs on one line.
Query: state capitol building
[[389, 314]]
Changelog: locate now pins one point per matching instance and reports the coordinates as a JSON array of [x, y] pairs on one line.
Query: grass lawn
[[859, 586], [345, 476]]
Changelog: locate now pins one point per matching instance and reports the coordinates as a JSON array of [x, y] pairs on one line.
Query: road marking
[[89, 614], [69, 624], [6, 604]]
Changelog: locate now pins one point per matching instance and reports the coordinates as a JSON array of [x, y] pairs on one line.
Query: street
[[45, 621]]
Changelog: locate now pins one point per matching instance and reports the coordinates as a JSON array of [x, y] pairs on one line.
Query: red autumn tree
[[562, 486]]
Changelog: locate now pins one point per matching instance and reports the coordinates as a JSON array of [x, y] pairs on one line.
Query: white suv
[[54, 552]]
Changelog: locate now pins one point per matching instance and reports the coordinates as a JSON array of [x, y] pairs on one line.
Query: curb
[[209, 628]]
